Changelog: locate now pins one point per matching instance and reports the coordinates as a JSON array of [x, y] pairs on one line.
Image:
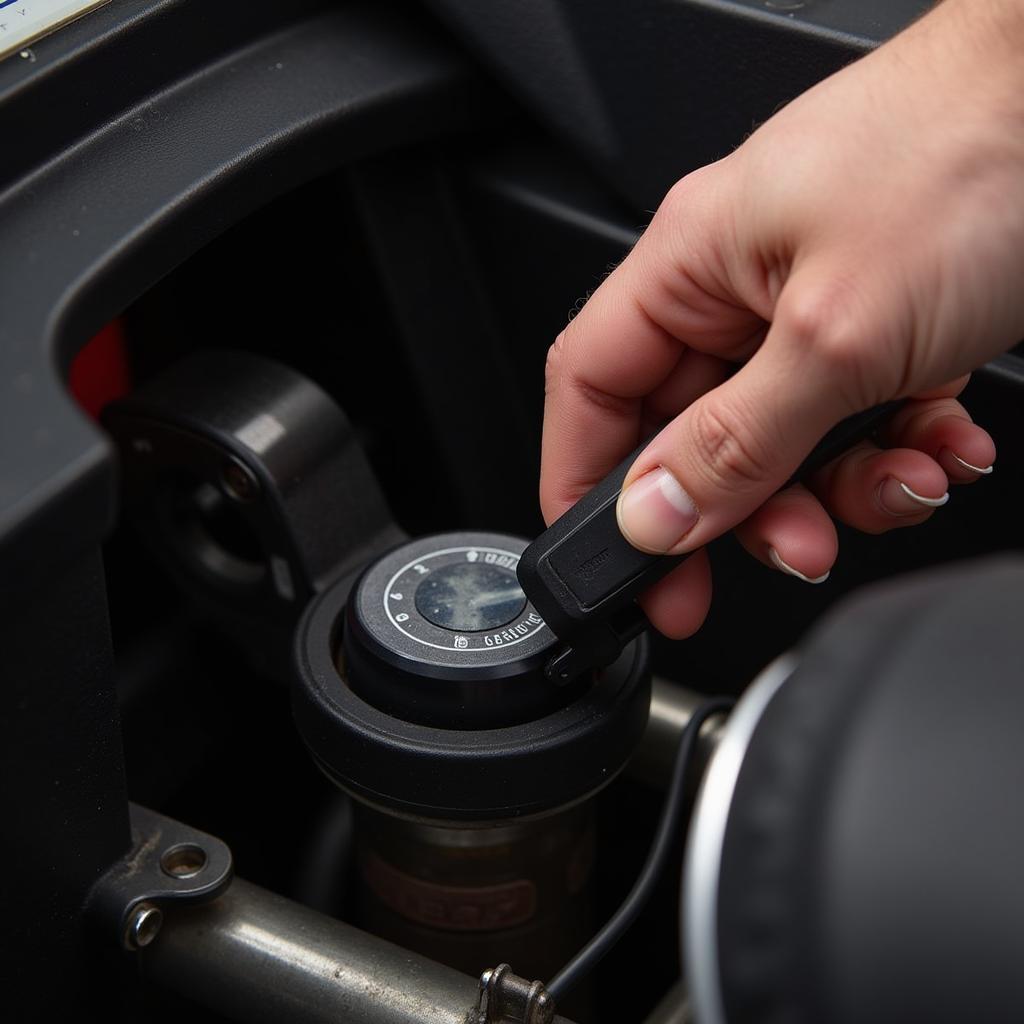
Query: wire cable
[[664, 839]]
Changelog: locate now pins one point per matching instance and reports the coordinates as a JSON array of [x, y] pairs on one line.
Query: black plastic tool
[[582, 575]]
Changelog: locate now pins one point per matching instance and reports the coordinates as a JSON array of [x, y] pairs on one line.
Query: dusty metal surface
[[168, 862], [256, 956]]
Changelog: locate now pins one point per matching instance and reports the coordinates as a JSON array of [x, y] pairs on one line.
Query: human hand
[[866, 243]]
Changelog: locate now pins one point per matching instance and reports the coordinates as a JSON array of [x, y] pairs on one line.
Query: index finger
[[628, 341], [598, 372]]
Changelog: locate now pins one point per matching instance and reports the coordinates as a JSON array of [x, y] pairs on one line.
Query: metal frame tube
[[256, 956], [671, 709]]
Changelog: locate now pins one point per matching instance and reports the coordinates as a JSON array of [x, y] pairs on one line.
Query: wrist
[[977, 44]]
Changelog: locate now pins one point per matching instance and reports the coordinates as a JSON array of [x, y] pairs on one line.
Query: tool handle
[[583, 576]]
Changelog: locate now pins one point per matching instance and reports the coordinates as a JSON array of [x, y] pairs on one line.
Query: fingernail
[[655, 513], [776, 560], [899, 500], [983, 470]]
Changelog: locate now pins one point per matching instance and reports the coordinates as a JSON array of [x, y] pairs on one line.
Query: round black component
[[366, 683], [439, 632], [871, 863], [246, 480]]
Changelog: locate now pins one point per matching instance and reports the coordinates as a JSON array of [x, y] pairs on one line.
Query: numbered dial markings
[[462, 599]]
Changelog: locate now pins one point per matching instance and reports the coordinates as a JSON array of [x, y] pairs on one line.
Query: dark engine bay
[[280, 739]]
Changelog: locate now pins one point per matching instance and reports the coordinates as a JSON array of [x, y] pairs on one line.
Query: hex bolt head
[[143, 925]]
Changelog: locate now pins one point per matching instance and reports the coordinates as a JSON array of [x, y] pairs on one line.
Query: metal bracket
[[168, 862], [505, 998]]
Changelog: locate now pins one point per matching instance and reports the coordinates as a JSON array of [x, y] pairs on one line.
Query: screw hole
[[143, 926], [185, 861]]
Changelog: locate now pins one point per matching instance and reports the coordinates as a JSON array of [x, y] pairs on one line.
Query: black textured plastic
[[872, 859], [649, 90], [582, 568], [310, 510], [582, 574], [151, 181]]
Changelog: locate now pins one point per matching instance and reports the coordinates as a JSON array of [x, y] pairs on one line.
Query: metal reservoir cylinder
[[512, 891], [421, 691]]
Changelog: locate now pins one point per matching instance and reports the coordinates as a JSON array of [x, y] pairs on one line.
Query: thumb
[[731, 450]]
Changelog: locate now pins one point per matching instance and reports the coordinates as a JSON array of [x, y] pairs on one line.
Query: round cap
[[406, 707], [438, 631]]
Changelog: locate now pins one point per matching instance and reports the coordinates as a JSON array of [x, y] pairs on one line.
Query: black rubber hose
[[668, 826]]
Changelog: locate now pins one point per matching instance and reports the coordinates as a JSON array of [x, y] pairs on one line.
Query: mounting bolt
[[505, 998], [143, 925]]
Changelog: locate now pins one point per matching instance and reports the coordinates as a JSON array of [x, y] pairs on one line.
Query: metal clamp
[[168, 861], [505, 998]]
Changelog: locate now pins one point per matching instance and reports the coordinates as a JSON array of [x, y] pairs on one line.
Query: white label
[[24, 20], [263, 431]]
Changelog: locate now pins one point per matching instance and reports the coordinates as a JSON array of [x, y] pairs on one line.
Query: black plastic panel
[[62, 790], [652, 89], [870, 20], [91, 229], [871, 863]]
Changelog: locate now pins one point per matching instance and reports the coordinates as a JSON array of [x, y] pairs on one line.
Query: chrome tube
[[256, 956], [671, 708]]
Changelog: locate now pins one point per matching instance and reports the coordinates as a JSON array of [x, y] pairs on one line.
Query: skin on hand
[[865, 244]]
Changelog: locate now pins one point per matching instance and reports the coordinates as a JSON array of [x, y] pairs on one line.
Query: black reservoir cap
[[420, 688]]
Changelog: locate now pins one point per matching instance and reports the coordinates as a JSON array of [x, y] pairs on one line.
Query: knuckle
[[702, 193], [682, 194], [820, 319], [562, 373], [554, 364], [617, 406], [677, 207], [677, 197], [826, 328], [726, 449], [840, 346]]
